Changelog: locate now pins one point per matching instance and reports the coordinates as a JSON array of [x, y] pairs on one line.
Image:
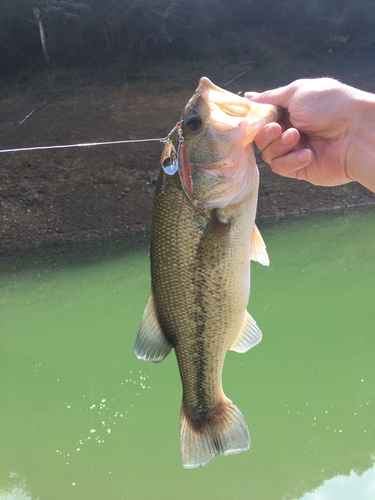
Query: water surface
[[82, 418]]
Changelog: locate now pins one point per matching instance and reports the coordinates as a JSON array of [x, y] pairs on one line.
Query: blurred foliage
[[139, 31]]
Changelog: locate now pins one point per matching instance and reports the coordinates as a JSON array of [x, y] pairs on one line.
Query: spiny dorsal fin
[[258, 250], [151, 344], [248, 336]]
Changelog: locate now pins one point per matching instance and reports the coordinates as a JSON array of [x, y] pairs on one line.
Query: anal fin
[[248, 336], [151, 344]]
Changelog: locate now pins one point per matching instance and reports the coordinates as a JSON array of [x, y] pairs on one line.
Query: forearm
[[360, 157]]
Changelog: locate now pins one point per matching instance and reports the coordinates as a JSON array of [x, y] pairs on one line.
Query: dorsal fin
[[258, 250], [248, 336], [151, 344]]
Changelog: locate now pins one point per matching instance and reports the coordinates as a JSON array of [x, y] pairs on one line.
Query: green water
[[82, 418]]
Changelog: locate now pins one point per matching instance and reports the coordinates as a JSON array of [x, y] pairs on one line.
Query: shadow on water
[[82, 418]]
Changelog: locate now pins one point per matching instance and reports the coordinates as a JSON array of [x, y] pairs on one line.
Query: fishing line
[[82, 145]]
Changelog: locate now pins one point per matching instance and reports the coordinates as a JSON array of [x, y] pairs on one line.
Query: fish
[[202, 238]]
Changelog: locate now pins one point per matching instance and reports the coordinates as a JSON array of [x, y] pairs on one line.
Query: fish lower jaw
[[238, 174]]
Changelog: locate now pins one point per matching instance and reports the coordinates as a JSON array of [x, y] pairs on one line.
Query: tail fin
[[224, 432]]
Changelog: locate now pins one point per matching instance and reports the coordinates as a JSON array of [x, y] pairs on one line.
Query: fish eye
[[194, 123]]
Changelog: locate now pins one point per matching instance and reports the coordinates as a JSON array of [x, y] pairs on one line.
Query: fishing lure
[[172, 161]]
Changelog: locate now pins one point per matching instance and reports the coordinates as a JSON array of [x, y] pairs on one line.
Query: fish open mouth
[[229, 110]]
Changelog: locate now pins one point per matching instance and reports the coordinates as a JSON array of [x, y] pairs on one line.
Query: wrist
[[360, 157]]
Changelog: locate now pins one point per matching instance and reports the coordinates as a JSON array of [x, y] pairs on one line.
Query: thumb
[[277, 97], [252, 96]]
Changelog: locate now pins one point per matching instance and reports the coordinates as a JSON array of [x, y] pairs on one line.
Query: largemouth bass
[[203, 236]]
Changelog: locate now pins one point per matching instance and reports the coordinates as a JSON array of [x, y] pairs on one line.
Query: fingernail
[[304, 156], [270, 135], [288, 137]]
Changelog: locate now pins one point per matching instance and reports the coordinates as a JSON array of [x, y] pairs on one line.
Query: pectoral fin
[[258, 250], [248, 336], [151, 344]]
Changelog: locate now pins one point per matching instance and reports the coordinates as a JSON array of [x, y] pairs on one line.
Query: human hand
[[314, 139]]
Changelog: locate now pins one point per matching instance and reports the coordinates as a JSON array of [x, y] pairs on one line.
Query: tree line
[[74, 32]]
